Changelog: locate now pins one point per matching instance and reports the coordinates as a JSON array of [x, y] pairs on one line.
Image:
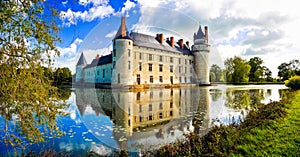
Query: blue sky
[[267, 29]]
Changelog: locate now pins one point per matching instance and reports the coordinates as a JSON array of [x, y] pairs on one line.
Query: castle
[[140, 60]]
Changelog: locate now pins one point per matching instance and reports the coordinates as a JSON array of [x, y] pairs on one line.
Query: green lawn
[[271, 130], [280, 138]]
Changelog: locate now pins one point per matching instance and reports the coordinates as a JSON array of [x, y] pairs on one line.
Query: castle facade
[[140, 60]]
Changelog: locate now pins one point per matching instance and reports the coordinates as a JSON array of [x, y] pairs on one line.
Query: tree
[[237, 70], [256, 71], [215, 73], [287, 70], [293, 82], [28, 34], [62, 76]]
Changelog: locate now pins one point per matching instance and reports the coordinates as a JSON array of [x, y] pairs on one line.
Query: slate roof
[[199, 34], [101, 61], [149, 41], [81, 60]]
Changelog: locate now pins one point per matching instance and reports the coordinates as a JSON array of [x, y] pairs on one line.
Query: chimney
[[160, 38], [187, 44], [180, 41], [206, 34], [97, 57], [172, 42], [123, 27]]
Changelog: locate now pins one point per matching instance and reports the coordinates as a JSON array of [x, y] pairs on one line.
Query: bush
[[293, 82]]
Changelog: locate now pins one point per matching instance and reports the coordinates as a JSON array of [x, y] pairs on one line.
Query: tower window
[[129, 51], [171, 59], [150, 57], [141, 108], [140, 66], [160, 67], [150, 67], [160, 58], [171, 68], [129, 43], [179, 60], [171, 104], [129, 65], [160, 105], [141, 56], [160, 115], [138, 95]]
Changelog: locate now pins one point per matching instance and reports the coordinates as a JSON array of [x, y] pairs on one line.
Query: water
[[106, 120]]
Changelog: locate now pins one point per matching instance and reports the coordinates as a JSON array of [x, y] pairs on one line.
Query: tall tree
[[237, 70], [287, 70], [256, 71], [28, 35], [216, 73]]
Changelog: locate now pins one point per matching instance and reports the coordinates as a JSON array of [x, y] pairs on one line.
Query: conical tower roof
[[199, 34], [81, 60], [122, 32]]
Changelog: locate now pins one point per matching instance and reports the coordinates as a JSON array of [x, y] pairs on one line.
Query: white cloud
[[243, 28], [111, 34], [127, 6], [100, 9]]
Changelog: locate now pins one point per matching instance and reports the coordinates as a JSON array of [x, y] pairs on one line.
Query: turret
[[79, 68], [201, 50], [122, 57]]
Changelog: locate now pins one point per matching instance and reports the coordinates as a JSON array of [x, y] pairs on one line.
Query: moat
[[103, 120]]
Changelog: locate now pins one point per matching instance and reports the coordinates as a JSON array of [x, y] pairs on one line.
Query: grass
[[271, 130]]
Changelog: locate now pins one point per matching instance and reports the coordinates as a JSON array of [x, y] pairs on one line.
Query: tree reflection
[[215, 94], [239, 99]]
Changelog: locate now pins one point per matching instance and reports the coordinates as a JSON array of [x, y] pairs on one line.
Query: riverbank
[[271, 130]]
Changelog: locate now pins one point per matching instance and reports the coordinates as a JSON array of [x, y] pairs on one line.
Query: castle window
[[118, 78], [103, 73], [171, 104], [179, 60], [190, 61], [141, 56], [191, 69], [160, 115], [129, 43], [171, 68], [180, 79], [98, 73], [160, 58], [185, 62], [171, 59], [150, 67], [160, 79], [150, 117], [179, 69], [191, 78], [171, 92], [141, 118], [140, 66], [138, 95], [129, 65], [150, 57], [160, 67], [128, 122], [151, 79], [185, 70], [185, 79], [160, 94], [129, 52], [161, 105], [171, 113], [150, 107], [141, 108]]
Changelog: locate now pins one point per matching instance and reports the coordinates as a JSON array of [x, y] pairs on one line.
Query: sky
[[247, 28]]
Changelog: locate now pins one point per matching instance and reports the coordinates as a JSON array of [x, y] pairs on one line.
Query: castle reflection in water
[[148, 118]]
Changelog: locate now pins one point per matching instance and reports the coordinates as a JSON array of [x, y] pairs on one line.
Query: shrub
[[293, 82]]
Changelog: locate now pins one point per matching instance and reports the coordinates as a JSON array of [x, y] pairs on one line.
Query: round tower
[[79, 68], [201, 50], [122, 57]]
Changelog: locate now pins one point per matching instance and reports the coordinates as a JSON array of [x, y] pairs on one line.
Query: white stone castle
[[140, 60]]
